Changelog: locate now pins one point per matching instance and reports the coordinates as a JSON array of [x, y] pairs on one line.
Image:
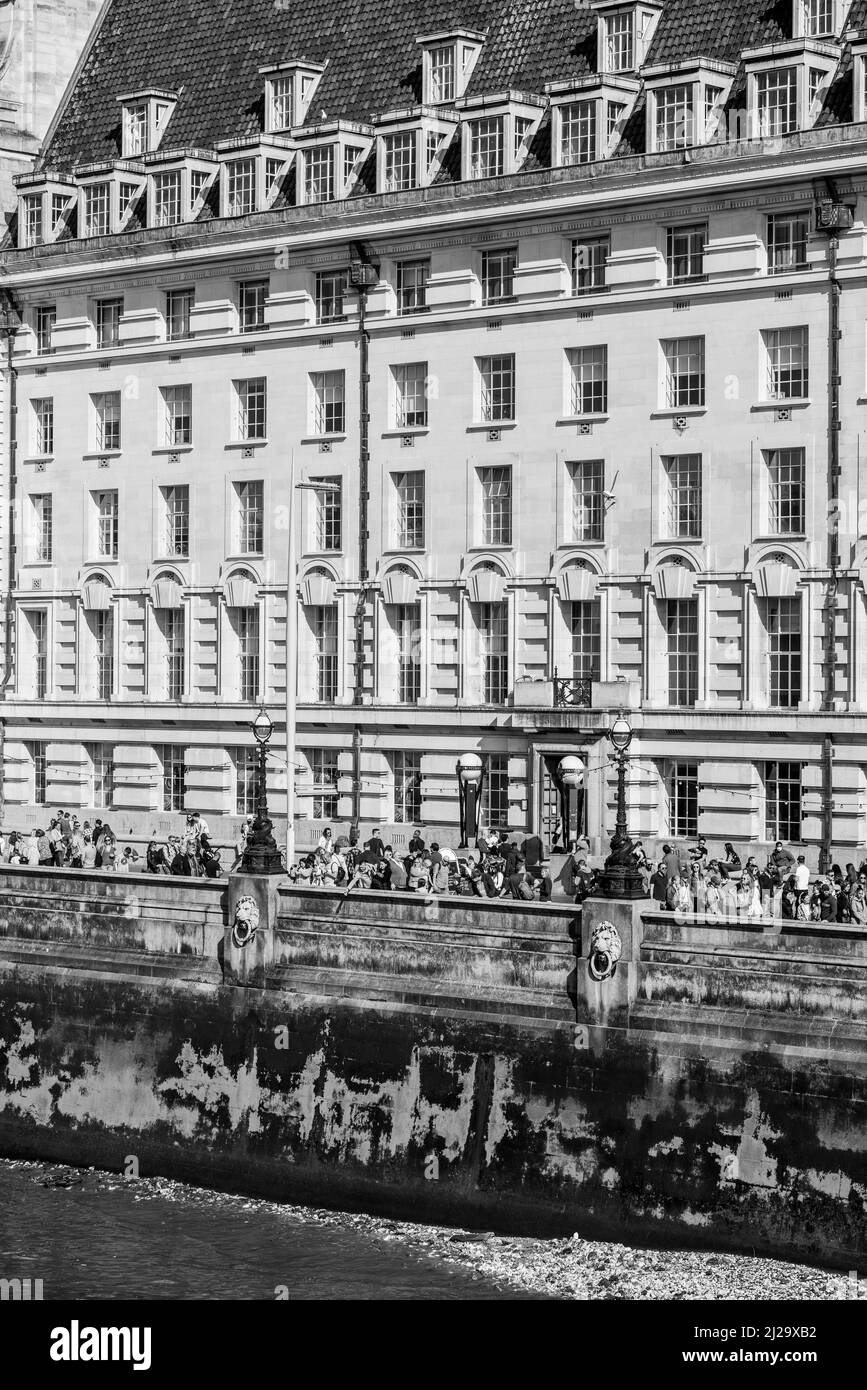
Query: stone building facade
[[612, 461]]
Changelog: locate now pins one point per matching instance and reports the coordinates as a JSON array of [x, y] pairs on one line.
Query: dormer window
[[685, 103], [497, 133], [253, 173], [330, 157], [178, 184], [108, 196], [819, 19], [588, 117], [289, 90], [859, 64], [624, 34], [448, 60], [144, 117], [411, 146], [45, 202], [787, 84]]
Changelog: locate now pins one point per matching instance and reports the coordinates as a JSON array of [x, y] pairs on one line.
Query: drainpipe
[[834, 426], [9, 325], [10, 321], [363, 276], [832, 216]]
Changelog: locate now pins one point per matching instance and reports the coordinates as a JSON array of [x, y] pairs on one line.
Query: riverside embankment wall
[[447, 1061]]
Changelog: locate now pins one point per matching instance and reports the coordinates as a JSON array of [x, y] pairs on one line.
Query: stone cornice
[[625, 187]]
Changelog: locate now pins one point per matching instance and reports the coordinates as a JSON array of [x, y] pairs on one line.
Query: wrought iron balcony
[[572, 694]]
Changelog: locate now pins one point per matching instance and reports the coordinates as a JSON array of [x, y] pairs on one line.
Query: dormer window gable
[[252, 170], [178, 184], [289, 90], [588, 117], [624, 34], [497, 131], [447, 63], [787, 84], [819, 19], [686, 102], [108, 195], [330, 158], [144, 117], [411, 146], [858, 43], [45, 204]]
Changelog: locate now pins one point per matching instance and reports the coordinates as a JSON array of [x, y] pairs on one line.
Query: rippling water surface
[[111, 1238]]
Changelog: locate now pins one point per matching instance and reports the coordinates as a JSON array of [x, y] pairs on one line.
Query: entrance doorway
[[551, 829]]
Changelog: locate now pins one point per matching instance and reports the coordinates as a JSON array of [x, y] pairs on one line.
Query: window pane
[[252, 405], [324, 625], [410, 382], [493, 626], [588, 485], [323, 766], [486, 148], [788, 363], [783, 622], [578, 138], [498, 273], [585, 628], [684, 372], [683, 475], [787, 491], [589, 370], [251, 305], [498, 388], [412, 278], [682, 788], [400, 161], [328, 402], [328, 514], [685, 258], [406, 770], [681, 626], [410, 510], [496, 505], [589, 261], [675, 118], [782, 801], [251, 517]]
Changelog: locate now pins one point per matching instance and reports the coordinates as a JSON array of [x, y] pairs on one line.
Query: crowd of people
[[70, 844], [683, 879], [690, 881], [498, 868]]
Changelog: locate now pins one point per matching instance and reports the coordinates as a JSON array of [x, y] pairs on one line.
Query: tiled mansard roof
[[210, 51]]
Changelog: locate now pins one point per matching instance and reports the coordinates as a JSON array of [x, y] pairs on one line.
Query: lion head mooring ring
[[606, 948], [246, 922]]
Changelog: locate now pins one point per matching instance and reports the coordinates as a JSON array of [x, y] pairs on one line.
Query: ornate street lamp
[[622, 877], [570, 782], [471, 775], [261, 855]]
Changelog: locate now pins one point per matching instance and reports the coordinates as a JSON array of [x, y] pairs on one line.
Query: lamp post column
[[291, 671], [622, 877]]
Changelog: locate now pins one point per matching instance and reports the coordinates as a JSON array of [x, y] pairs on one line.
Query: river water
[[106, 1237]]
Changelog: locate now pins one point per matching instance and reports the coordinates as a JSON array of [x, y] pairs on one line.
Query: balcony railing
[[572, 694]]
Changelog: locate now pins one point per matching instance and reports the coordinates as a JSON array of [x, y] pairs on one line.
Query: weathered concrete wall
[[448, 1061]]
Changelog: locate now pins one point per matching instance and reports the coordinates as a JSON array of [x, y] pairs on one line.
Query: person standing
[[375, 846], [396, 870]]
